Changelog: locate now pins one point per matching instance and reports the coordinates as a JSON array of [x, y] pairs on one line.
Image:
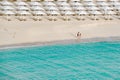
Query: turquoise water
[[85, 61]]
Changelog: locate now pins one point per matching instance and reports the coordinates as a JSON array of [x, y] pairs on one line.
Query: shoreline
[[60, 42]]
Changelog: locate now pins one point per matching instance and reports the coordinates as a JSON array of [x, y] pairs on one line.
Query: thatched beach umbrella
[[46, 3], [21, 3], [22, 15], [76, 4], [8, 15], [53, 13], [37, 8], [6, 8], [51, 8], [102, 4], [67, 13], [109, 14], [6, 3], [81, 15], [92, 8], [79, 8], [95, 14], [62, 4], [37, 15], [65, 8], [74, 0], [22, 8], [34, 3], [88, 0]]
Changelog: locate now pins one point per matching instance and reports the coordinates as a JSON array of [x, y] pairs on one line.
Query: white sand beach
[[16, 32]]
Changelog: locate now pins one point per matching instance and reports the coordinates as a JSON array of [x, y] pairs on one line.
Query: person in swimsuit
[[78, 35]]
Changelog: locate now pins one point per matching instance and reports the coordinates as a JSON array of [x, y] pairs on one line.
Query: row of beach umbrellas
[[60, 8], [57, 13]]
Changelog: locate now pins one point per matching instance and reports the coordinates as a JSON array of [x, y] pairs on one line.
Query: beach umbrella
[[81, 13], [116, 4], [33, 3], [23, 13], [48, 0], [76, 4], [20, 8], [67, 13], [117, 7], [63, 4], [38, 13], [100, 0], [48, 4], [109, 13], [6, 3], [92, 8], [52, 8], [79, 8], [103, 4], [65, 8], [95, 12], [75, 0], [114, 0], [62, 0], [21, 3], [53, 13], [106, 8], [90, 4], [8, 13], [35, 8], [87, 0], [7, 8]]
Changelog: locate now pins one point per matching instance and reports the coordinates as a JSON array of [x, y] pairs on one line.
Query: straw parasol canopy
[[38, 13], [37, 8], [33, 3], [6, 3], [48, 3], [103, 4], [81, 13], [20, 8], [21, 3], [109, 13], [63, 4], [75, 0], [53, 12], [106, 8], [95, 13], [52, 8], [23, 13], [6, 8], [90, 4], [65, 8], [116, 4], [79, 8], [93, 8], [100, 0], [117, 7], [62, 0], [76, 4], [67, 13], [8, 13], [88, 0]]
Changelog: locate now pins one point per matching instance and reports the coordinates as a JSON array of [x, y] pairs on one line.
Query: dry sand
[[16, 32]]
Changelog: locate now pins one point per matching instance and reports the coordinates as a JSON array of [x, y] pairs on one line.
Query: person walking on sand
[[78, 35]]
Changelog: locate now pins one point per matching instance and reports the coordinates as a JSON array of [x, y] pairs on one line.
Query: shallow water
[[84, 61]]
